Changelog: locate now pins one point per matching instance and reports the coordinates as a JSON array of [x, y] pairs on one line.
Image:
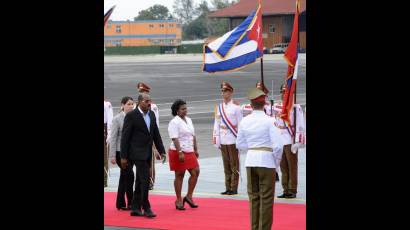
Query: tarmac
[[180, 76], [211, 180]]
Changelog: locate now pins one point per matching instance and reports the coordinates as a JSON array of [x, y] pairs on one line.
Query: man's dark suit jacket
[[136, 140]]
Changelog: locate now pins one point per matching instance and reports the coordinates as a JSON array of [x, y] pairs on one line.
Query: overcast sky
[[128, 9]]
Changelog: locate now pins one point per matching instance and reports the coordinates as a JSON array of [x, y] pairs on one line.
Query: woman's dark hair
[[176, 105], [124, 101]]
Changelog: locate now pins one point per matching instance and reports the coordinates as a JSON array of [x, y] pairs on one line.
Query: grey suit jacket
[[116, 131]]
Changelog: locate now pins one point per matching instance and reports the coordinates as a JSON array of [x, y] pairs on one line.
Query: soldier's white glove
[[108, 137], [295, 147]]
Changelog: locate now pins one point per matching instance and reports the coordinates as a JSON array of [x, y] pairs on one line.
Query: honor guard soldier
[[247, 109], [227, 117], [108, 115], [143, 88], [263, 142], [289, 163]]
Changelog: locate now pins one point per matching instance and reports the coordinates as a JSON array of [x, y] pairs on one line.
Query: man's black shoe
[[136, 213], [284, 195], [149, 213], [226, 192], [232, 193], [290, 196]]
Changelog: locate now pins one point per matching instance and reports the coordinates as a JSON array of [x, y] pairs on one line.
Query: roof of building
[[269, 7], [143, 21]]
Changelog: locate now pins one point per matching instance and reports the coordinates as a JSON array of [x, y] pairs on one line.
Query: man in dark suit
[[139, 132]]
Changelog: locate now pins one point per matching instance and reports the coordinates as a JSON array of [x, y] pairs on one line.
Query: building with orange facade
[[142, 33]]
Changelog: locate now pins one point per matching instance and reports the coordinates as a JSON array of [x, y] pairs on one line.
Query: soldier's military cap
[[255, 93], [226, 85], [143, 87]]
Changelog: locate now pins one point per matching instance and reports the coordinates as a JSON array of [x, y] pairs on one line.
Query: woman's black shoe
[[124, 208], [190, 202], [179, 206]]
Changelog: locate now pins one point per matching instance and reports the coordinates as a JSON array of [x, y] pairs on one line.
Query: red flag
[[108, 14], [291, 56], [256, 32]]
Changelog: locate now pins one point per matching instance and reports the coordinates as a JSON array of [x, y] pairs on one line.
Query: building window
[[151, 26], [118, 29], [109, 24], [117, 42], [161, 25], [171, 25], [271, 29]]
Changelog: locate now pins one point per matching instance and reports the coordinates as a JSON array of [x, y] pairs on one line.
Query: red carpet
[[213, 213]]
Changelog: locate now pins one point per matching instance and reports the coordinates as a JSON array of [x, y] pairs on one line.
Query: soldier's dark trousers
[[289, 169], [260, 189], [230, 160]]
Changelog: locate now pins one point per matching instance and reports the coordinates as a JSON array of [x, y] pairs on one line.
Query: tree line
[[194, 17]]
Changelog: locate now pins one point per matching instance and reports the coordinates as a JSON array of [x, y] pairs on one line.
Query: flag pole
[[296, 83], [271, 102], [262, 72]]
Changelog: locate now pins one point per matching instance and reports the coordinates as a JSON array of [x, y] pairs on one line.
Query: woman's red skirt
[[190, 161]]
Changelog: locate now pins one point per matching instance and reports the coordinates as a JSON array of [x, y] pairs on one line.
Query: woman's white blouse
[[184, 131]]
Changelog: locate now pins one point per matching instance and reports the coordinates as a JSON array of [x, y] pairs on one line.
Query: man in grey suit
[[140, 131]]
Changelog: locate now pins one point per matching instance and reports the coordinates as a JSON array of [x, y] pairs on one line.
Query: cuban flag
[[239, 47], [291, 57]]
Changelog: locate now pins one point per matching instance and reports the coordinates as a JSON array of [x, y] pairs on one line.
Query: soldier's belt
[[262, 149]]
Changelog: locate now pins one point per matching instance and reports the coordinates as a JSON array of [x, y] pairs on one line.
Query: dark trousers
[[260, 189], [289, 169], [230, 158], [125, 185], [140, 197]]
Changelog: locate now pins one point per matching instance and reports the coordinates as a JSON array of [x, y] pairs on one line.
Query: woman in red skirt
[[183, 153]]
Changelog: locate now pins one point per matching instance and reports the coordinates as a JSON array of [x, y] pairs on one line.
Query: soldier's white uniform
[[108, 116], [227, 118], [155, 109], [221, 133], [256, 131], [300, 139], [247, 109]]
